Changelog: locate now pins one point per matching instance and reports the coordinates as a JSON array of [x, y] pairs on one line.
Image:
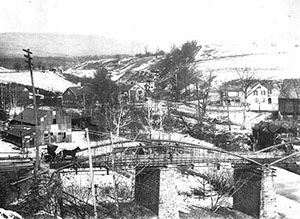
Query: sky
[[157, 23]]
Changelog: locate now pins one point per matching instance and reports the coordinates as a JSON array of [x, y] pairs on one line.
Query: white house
[[263, 96]]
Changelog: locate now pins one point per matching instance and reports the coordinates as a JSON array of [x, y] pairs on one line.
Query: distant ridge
[[50, 44]]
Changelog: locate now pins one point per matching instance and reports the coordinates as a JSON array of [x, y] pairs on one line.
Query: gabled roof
[[290, 89], [27, 116], [233, 85], [16, 131], [77, 91], [267, 84], [125, 87]]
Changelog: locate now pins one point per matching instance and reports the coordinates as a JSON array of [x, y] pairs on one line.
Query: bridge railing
[[157, 154]]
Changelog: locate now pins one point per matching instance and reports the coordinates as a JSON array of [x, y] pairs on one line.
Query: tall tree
[[203, 86], [177, 69], [104, 95], [105, 89]]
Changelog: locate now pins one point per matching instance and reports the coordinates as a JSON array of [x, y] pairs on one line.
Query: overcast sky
[[158, 23]]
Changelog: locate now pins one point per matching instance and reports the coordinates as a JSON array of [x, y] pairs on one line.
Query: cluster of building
[[282, 96], [54, 122], [54, 125]]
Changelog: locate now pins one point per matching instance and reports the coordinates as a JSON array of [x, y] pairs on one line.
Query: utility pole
[[91, 173], [37, 156], [228, 116]]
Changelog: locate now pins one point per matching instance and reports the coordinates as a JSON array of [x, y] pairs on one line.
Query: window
[[54, 121], [255, 93], [256, 100], [269, 91], [263, 92], [269, 101]]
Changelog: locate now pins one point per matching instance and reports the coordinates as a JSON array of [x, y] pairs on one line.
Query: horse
[[70, 153]]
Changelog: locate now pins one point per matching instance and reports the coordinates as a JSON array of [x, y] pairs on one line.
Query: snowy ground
[[287, 187], [9, 150]]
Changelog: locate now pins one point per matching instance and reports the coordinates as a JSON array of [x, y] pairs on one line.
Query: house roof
[[233, 85], [27, 116], [16, 131], [77, 91], [267, 84], [274, 126], [125, 87], [290, 89]]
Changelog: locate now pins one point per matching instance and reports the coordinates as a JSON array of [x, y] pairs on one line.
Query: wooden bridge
[[155, 153], [15, 162], [154, 160], [160, 153]]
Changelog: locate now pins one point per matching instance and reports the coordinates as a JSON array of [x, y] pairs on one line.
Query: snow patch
[[9, 214]]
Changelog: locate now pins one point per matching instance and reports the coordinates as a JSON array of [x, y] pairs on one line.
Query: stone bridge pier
[[155, 189], [254, 191]]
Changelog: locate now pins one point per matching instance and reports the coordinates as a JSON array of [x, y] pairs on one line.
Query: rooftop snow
[[44, 80]]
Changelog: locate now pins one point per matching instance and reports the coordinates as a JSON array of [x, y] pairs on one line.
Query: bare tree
[[203, 88], [247, 79]]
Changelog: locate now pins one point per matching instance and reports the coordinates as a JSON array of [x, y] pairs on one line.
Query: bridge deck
[[15, 164], [161, 160]]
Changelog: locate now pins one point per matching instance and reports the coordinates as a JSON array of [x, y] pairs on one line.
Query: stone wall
[[167, 195], [268, 208]]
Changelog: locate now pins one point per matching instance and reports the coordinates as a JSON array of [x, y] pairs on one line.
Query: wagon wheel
[[47, 158], [58, 157]]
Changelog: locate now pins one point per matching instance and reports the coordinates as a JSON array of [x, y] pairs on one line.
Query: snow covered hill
[[267, 62], [122, 70], [44, 80]]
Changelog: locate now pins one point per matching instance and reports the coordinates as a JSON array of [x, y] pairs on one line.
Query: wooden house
[[73, 97], [289, 97], [231, 93], [53, 126], [134, 93], [261, 95]]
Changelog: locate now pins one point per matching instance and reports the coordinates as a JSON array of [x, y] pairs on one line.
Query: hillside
[[267, 62], [121, 69], [223, 60], [46, 44]]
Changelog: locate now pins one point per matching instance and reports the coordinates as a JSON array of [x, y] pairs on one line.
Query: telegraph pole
[[92, 184], [37, 156]]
